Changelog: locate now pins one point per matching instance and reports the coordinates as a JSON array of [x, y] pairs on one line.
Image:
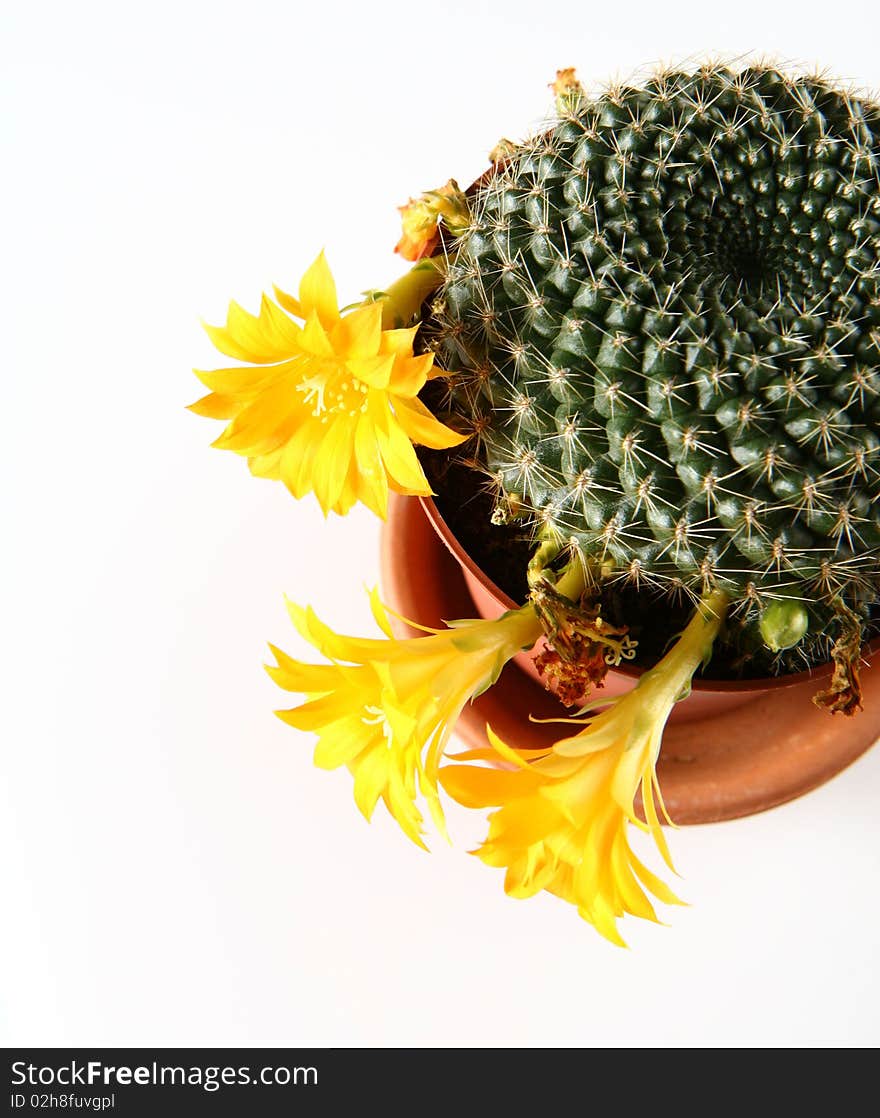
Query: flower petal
[[399, 342], [267, 465], [240, 381], [371, 472], [399, 457], [316, 340], [372, 371], [380, 614], [474, 786], [420, 425], [370, 778], [291, 305], [297, 459], [344, 741], [359, 333], [307, 679], [331, 461], [265, 423], [410, 374], [253, 338], [317, 293], [215, 406]]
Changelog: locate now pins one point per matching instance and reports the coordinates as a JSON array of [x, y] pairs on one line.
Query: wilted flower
[[420, 219]]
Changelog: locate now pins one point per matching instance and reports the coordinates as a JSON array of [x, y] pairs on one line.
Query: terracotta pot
[[730, 749]]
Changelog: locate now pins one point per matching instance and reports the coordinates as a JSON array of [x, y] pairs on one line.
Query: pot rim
[[765, 683]]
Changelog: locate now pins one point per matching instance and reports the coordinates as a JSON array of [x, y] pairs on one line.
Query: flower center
[[331, 390]]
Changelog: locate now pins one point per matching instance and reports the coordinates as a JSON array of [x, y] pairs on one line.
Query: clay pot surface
[[730, 749]]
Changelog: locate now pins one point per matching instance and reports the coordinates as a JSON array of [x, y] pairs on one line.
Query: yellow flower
[[329, 406], [420, 219], [386, 708], [564, 812]]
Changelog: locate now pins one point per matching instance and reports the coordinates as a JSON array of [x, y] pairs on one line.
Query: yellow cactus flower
[[563, 813], [329, 406], [386, 707], [420, 219]]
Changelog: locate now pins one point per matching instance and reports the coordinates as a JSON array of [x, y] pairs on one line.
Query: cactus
[[664, 327], [652, 333]]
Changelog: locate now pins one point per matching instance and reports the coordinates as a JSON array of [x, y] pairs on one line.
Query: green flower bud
[[783, 624]]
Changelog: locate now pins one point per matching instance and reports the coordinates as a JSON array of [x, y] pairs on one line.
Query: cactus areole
[[664, 327]]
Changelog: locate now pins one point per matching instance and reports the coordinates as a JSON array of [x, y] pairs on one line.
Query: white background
[[175, 871]]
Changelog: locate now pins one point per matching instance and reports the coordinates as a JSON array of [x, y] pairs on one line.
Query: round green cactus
[[664, 325]]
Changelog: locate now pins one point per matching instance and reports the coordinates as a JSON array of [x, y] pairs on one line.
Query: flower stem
[[402, 300], [662, 686]]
